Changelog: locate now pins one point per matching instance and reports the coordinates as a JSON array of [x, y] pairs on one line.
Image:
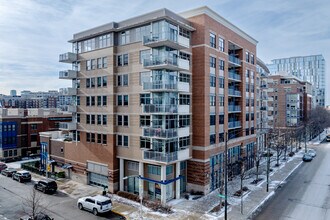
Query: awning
[[67, 166]]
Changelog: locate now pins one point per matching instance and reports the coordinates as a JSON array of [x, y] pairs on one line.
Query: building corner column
[[121, 174], [177, 182], [163, 186]]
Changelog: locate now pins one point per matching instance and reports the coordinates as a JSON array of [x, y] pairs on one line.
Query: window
[[125, 141], [119, 140], [145, 143], [184, 142], [122, 60], [184, 78], [125, 100], [184, 56], [221, 64], [92, 82], [88, 65], [125, 122], [99, 63], [99, 100], [144, 120], [212, 81], [99, 138], [252, 116], [247, 131], [221, 44], [88, 98], [252, 102], [247, 57], [104, 119], [99, 81], [221, 137], [88, 83], [33, 127], [169, 169], [212, 100], [212, 120], [221, 82], [221, 100], [93, 64], [184, 121], [99, 119], [154, 170], [247, 87], [144, 99], [247, 73], [212, 40], [78, 100], [104, 139], [247, 117], [212, 139], [122, 100], [144, 55], [124, 37], [122, 80], [104, 62], [144, 77], [221, 119], [184, 99], [93, 119], [252, 58], [104, 81], [104, 41], [104, 100], [88, 137], [92, 137], [92, 100], [119, 120], [247, 103], [212, 62], [78, 117], [183, 32]]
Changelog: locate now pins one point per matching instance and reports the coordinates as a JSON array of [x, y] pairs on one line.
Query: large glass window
[[221, 44], [184, 99], [212, 81], [212, 62], [212, 40], [212, 120], [184, 121]]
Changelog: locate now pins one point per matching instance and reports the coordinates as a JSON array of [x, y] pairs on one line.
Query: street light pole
[[226, 172], [268, 166]]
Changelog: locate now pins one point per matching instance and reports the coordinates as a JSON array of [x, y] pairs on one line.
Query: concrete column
[[177, 183], [163, 187], [121, 174], [141, 173]]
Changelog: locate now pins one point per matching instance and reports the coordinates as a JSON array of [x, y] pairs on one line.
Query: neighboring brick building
[[156, 96], [19, 130], [290, 102]]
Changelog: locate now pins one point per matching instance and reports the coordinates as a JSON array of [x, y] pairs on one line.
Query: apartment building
[[291, 100], [155, 97], [306, 68], [19, 130]]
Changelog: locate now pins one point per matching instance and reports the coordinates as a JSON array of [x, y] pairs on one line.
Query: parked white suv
[[96, 204]]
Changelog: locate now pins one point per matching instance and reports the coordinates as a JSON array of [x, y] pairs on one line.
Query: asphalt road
[[59, 206], [306, 195]]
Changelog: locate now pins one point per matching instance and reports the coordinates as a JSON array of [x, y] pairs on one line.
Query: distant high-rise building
[[306, 68], [13, 92]]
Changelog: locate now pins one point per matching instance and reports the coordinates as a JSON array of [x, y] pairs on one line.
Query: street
[[58, 206], [306, 195]]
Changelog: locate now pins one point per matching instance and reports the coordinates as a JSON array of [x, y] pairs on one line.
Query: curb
[[259, 207]]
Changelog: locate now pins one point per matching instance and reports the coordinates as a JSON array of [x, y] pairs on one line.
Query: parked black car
[[2, 166], [22, 176], [8, 172], [46, 186], [307, 158]]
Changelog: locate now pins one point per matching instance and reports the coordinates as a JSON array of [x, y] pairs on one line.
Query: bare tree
[[32, 205]]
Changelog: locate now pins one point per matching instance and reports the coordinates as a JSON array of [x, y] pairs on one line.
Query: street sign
[[222, 196]]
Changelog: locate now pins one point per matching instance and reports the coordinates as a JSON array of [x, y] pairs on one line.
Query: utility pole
[[226, 172], [305, 140], [268, 166]]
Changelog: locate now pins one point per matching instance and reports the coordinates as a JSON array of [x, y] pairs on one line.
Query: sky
[[34, 32]]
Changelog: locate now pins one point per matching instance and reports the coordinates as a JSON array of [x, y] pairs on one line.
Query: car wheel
[[35, 187], [95, 212], [80, 206], [44, 190], [19, 180]]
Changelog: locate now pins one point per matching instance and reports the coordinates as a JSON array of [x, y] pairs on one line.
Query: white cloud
[[33, 33]]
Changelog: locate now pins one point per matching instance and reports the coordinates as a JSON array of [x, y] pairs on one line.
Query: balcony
[[234, 92], [160, 86], [160, 133], [159, 108], [69, 91], [234, 60], [171, 62], [68, 57], [68, 74], [167, 157], [234, 124], [234, 108], [67, 126], [168, 39], [233, 75]]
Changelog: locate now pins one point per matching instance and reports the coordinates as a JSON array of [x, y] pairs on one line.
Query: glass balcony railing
[[234, 60], [160, 156], [161, 60], [68, 57], [234, 75], [160, 85], [234, 92], [234, 124], [160, 133], [234, 108], [163, 36], [159, 108], [68, 74]]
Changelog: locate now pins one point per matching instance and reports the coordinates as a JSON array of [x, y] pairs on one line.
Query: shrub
[[61, 174], [245, 188], [291, 154]]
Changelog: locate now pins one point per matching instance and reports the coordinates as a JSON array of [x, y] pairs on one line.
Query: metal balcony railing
[[234, 92], [234, 108], [161, 60], [68, 57], [234, 75], [234, 124], [160, 156], [234, 60], [163, 36], [160, 85]]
